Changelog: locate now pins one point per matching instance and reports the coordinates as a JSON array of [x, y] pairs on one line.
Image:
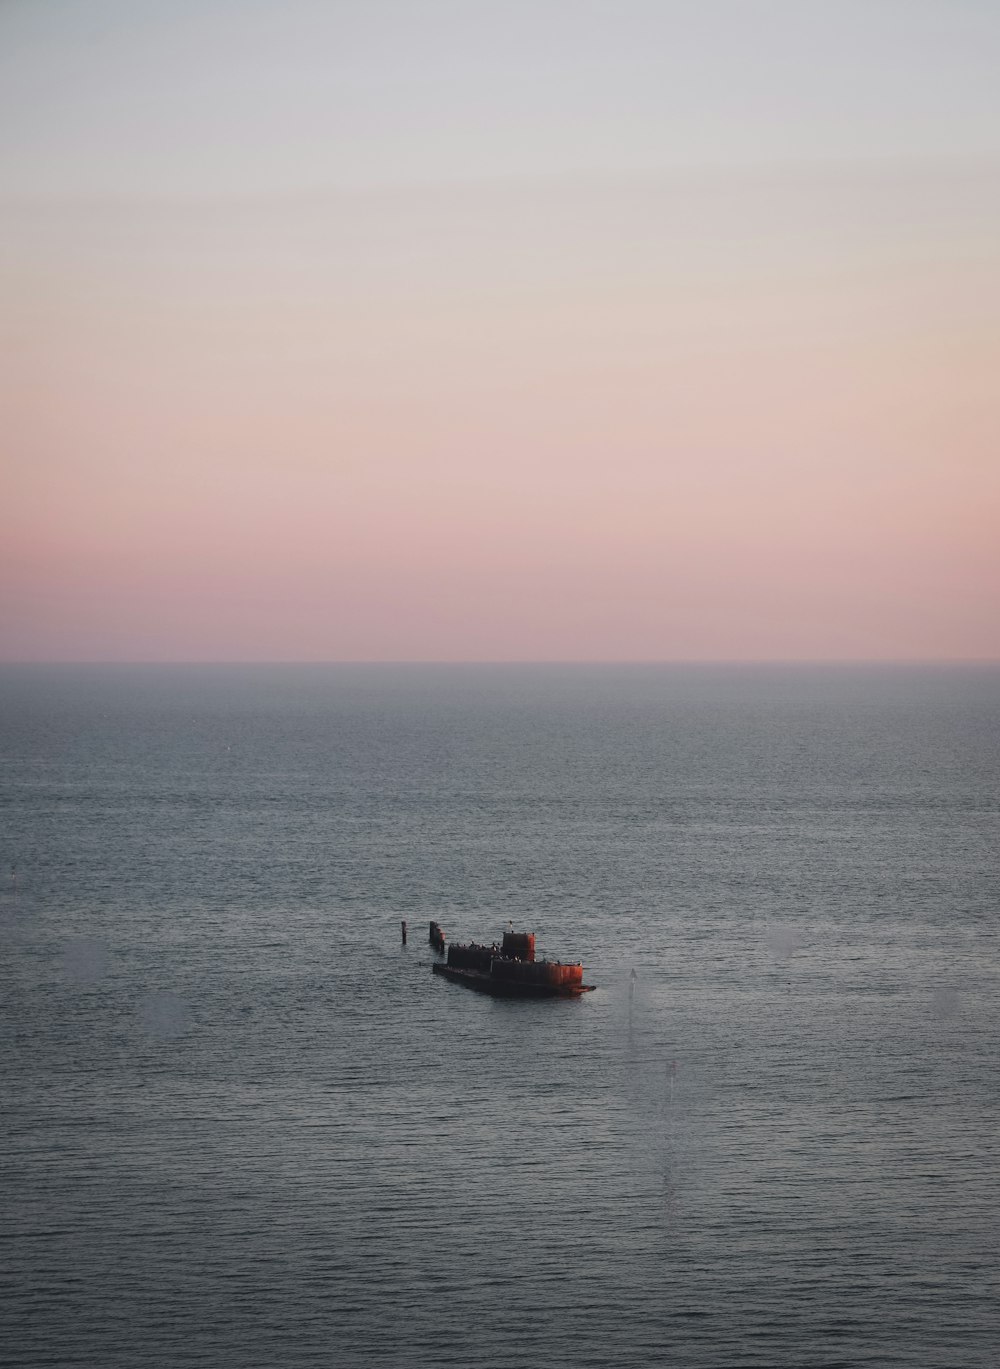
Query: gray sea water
[[244, 1126]]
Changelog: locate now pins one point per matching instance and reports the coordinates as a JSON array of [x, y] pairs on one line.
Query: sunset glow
[[694, 374]]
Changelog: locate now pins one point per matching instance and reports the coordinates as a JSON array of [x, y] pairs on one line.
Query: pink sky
[[743, 413]]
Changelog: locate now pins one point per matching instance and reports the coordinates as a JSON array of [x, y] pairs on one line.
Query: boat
[[510, 970]]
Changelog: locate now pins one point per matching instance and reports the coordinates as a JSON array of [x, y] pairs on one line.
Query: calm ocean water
[[243, 1126]]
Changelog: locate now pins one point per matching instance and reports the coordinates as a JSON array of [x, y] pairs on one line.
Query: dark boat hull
[[506, 988]]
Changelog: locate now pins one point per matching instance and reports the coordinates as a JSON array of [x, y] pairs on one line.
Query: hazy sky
[[427, 330]]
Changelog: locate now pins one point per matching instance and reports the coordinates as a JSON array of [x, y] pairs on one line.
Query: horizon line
[[925, 661]]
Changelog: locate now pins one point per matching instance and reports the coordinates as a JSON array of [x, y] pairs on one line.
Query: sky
[[449, 330]]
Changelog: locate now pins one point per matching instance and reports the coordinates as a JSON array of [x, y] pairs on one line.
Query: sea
[[244, 1125]]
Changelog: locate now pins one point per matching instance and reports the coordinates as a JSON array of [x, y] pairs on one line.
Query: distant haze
[[462, 331]]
